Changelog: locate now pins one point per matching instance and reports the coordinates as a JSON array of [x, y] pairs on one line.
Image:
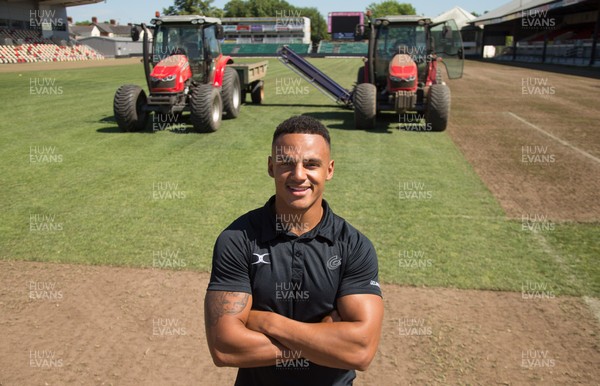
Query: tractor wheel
[[231, 93], [258, 95], [129, 108], [365, 106], [438, 107], [206, 108], [360, 76]]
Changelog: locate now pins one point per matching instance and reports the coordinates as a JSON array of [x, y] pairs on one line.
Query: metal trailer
[[251, 79]]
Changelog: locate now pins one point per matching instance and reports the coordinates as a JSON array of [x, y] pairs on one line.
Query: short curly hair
[[302, 124]]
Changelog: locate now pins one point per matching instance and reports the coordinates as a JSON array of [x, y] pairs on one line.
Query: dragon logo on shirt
[[334, 262], [261, 258]]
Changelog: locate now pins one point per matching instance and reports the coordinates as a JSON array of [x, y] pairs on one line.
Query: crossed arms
[[241, 337]]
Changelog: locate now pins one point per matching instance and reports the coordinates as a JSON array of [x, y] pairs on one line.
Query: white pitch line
[[562, 141]]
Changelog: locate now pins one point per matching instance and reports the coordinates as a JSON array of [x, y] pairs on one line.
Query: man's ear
[[270, 167], [330, 168]]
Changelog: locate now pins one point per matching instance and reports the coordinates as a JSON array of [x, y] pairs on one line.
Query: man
[[294, 297]]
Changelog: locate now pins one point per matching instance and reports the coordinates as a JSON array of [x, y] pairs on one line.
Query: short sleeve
[[229, 264], [361, 273]]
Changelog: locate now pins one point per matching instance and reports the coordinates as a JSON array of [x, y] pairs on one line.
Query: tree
[[236, 8], [391, 7], [476, 14], [257, 8], [193, 7], [318, 25]]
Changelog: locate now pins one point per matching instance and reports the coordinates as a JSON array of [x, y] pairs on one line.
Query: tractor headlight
[[169, 78]]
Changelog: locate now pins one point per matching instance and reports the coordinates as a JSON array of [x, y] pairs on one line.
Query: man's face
[[300, 165]]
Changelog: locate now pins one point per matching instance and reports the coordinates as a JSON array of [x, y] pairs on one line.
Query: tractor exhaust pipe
[[146, 56], [371, 61]]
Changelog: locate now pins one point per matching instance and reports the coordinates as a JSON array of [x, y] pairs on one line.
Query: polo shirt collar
[[269, 230]]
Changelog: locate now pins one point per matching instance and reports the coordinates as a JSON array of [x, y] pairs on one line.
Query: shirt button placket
[[297, 263]]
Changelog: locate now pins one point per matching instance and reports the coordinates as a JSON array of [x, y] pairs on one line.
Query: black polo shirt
[[300, 277]]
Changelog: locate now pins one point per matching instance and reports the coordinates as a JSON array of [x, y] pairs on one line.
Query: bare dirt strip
[[533, 137], [70, 324]]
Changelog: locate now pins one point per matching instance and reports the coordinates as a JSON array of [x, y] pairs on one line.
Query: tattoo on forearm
[[219, 303]]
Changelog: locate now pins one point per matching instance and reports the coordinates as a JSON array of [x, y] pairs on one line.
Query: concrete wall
[[114, 47]]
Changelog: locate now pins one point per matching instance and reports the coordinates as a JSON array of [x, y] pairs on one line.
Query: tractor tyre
[[438, 107], [231, 93], [206, 108], [258, 95], [129, 107], [365, 106]]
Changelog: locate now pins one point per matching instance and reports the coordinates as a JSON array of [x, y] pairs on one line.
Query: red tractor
[[185, 71], [403, 70]]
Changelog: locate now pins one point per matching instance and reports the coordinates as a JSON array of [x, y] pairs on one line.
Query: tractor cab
[[403, 43], [195, 37]]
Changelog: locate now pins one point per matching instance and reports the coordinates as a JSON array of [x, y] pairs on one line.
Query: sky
[[137, 11]]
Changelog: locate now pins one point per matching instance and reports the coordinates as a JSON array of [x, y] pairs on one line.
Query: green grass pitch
[[75, 189]]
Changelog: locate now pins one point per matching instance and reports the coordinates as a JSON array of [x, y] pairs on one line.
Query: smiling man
[[294, 297]]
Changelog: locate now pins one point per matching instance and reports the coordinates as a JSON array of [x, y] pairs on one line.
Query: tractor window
[[211, 41], [173, 39], [401, 39], [447, 44], [158, 45], [395, 39]]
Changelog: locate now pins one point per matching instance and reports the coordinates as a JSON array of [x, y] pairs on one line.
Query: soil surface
[[73, 324], [532, 137]]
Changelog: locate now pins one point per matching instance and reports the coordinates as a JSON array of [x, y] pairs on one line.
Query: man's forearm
[[345, 345], [246, 348], [230, 342]]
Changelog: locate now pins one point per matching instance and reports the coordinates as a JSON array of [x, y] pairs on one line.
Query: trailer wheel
[[258, 95], [206, 108], [129, 108], [365, 106], [231, 93], [438, 107]]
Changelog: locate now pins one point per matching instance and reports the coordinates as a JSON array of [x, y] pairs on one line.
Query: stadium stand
[[28, 46], [262, 49], [542, 31], [267, 30], [343, 48], [38, 31]]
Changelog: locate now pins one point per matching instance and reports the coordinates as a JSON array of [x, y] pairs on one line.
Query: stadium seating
[[261, 49], [29, 46], [343, 48]]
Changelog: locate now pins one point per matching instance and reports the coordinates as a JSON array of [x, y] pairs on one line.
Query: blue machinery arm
[[314, 76]]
